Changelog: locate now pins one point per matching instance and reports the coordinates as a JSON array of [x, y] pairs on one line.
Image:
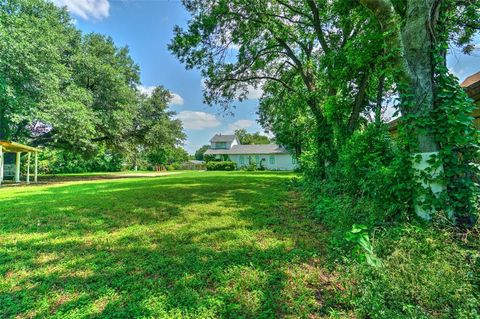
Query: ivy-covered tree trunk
[[418, 98], [410, 39], [411, 45]]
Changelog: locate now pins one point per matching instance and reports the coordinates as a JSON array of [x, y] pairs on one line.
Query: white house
[[269, 156]]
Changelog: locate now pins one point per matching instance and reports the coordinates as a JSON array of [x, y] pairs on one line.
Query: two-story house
[[268, 156]]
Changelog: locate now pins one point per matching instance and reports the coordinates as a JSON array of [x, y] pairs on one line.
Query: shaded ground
[[58, 178], [192, 245]]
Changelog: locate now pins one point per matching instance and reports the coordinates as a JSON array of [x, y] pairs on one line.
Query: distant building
[[268, 156]]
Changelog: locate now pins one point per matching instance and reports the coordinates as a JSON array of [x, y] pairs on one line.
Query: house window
[[221, 145], [272, 159], [242, 160]]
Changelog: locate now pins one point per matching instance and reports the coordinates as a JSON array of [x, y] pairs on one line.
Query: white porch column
[[28, 168], [35, 176], [17, 167], [1, 164]]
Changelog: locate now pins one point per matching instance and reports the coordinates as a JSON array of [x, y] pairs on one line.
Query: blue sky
[[146, 26]]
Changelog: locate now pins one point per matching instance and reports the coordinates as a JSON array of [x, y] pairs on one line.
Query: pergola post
[[17, 167], [1, 164], [35, 176], [28, 168]]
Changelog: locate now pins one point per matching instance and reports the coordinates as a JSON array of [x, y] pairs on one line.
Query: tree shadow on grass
[[213, 246]]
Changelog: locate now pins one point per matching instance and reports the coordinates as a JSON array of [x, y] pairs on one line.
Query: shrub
[[250, 167], [221, 166], [170, 167], [61, 161]]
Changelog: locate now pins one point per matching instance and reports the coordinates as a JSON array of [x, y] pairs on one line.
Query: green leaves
[[364, 248]]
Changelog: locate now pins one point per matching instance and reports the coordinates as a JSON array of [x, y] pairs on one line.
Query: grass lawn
[[190, 245]]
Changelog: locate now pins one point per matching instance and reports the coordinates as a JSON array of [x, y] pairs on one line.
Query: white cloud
[[193, 120], [254, 93], [176, 99], [86, 9], [240, 124], [148, 90]]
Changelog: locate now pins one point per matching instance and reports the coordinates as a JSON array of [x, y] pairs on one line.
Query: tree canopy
[[75, 92], [246, 138]]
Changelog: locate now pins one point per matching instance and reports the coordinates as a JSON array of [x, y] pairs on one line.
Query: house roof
[[196, 162], [472, 79], [472, 86], [9, 146], [223, 138], [249, 150]]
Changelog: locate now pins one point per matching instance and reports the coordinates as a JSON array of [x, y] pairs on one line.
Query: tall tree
[[287, 116], [410, 29], [154, 131], [284, 42], [153, 124], [200, 152], [251, 138], [35, 39], [73, 92], [416, 36]]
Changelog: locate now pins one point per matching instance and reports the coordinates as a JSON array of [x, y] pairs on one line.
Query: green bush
[[250, 167], [370, 166], [366, 186], [60, 161], [221, 166]]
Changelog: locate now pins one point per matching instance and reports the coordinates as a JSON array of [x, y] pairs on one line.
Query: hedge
[[221, 166]]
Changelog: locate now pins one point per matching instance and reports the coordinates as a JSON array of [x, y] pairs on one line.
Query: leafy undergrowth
[[192, 245], [425, 273], [399, 269]]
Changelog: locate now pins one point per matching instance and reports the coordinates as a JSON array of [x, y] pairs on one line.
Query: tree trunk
[[379, 102], [411, 44], [324, 139], [418, 96], [359, 104]]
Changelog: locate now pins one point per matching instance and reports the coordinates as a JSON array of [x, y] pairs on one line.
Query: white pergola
[[18, 149]]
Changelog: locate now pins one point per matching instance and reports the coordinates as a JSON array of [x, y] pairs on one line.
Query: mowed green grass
[[191, 245]]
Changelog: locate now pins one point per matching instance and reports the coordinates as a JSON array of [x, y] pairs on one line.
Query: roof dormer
[[223, 142]]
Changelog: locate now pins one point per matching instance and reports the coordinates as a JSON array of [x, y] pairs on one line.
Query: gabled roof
[[223, 138], [249, 150]]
